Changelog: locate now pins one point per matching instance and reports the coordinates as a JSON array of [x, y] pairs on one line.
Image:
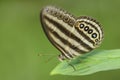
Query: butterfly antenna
[[52, 56]]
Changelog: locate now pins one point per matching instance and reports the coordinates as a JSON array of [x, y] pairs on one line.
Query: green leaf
[[90, 63]]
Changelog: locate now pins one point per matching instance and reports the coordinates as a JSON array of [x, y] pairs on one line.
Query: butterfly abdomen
[[72, 36]]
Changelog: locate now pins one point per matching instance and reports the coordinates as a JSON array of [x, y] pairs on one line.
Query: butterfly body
[[71, 35]]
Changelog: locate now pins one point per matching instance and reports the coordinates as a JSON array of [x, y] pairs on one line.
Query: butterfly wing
[[72, 36]]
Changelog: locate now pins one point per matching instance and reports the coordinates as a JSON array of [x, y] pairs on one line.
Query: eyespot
[[71, 22], [86, 28], [51, 11], [94, 35], [96, 40], [54, 13], [47, 10], [90, 31], [60, 16], [81, 25], [66, 19]]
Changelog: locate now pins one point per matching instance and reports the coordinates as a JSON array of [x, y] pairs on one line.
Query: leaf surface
[[90, 63]]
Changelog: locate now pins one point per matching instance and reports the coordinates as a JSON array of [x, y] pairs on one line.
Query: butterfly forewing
[[70, 35]]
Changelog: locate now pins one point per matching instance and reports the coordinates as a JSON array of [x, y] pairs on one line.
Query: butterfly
[[72, 36]]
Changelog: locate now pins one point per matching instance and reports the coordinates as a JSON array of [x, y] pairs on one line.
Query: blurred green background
[[22, 39]]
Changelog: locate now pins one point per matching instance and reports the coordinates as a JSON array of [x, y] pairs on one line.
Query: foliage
[[90, 63]]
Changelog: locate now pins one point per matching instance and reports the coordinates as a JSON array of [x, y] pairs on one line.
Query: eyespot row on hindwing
[[87, 24]]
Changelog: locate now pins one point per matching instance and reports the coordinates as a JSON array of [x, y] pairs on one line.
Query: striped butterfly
[[72, 36]]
